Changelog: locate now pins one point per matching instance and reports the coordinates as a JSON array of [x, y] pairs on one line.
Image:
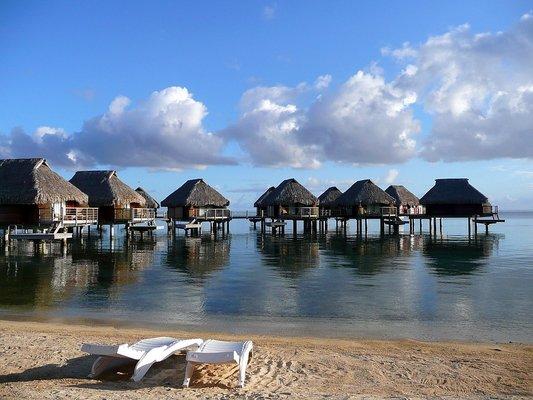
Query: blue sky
[[64, 62]]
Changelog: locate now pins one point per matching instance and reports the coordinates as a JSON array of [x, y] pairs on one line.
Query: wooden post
[[381, 226], [475, 225], [294, 227], [440, 226], [469, 226], [486, 229], [420, 224]]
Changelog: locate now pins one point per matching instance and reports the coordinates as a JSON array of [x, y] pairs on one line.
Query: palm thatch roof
[[329, 196], [259, 201], [290, 193], [453, 191], [365, 193], [105, 189], [195, 193], [30, 181], [402, 196], [150, 201]]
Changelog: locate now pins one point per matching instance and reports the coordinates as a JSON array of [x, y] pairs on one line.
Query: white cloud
[[391, 176], [165, 131], [269, 12], [366, 120], [322, 82], [479, 90], [267, 129]]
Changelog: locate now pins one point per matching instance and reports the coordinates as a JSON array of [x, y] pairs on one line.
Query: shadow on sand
[[169, 373]]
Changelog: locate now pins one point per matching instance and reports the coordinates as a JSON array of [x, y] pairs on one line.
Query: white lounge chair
[[146, 351], [219, 352]]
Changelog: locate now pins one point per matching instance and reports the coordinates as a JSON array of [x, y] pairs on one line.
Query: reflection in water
[[371, 255], [290, 257], [411, 279], [459, 257], [198, 257]]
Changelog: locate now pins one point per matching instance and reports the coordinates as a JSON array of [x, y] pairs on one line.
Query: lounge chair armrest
[[103, 349], [213, 358]]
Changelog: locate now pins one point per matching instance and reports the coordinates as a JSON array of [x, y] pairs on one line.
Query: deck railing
[[213, 213], [487, 209], [302, 212], [69, 215], [389, 212], [81, 215], [134, 214]]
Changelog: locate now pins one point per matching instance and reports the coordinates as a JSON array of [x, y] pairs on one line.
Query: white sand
[[43, 361]]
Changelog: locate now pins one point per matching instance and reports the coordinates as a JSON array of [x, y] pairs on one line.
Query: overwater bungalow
[[32, 195], [261, 208], [455, 197], [326, 201], [406, 202], [364, 199], [117, 202], [196, 200], [291, 200], [150, 201]]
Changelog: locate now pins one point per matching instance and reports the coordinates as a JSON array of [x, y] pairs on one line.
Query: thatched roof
[[31, 181], [364, 192], [290, 193], [453, 191], [195, 193], [105, 189], [259, 201], [150, 201], [402, 196], [329, 196]]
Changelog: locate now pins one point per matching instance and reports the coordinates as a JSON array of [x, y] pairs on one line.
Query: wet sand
[[44, 361]]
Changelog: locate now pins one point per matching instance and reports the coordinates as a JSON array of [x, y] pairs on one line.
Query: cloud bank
[[477, 89], [366, 120], [164, 131]]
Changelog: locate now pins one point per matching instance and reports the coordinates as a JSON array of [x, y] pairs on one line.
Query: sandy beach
[[44, 361]]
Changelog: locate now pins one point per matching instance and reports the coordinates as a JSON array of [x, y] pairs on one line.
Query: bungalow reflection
[[198, 257], [460, 256], [30, 279], [289, 257], [372, 255], [118, 265]]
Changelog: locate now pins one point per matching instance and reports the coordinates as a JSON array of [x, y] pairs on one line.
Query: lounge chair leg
[[144, 364], [242, 373], [105, 364], [189, 369]]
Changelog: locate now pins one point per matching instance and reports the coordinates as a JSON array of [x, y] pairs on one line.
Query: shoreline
[[43, 360], [426, 331]]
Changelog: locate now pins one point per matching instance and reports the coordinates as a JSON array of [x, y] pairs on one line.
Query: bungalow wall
[[411, 210], [373, 210], [186, 213], [261, 211], [19, 214], [31, 214], [458, 210]]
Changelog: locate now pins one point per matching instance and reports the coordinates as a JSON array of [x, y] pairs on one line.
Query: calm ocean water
[[328, 285]]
